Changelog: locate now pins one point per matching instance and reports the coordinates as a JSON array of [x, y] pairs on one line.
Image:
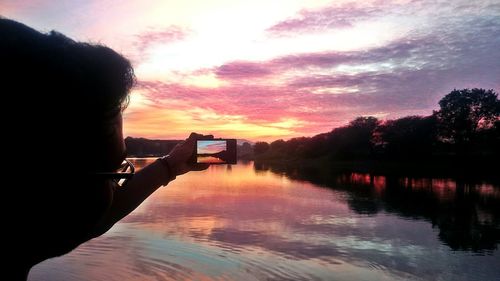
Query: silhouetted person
[[62, 142]]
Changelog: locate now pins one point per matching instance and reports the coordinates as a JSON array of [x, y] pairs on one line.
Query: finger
[[197, 136], [190, 145], [194, 135]]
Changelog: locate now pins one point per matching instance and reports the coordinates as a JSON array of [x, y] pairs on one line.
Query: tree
[[408, 136], [366, 123], [465, 112], [315, 147], [354, 140], [245, 151], [278, 145], [246, 146], [260, 147]]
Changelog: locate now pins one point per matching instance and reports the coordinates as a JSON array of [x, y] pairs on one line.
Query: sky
[[205, 147], [265, 70]]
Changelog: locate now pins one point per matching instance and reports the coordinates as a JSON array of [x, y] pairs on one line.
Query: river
[[248, 222]]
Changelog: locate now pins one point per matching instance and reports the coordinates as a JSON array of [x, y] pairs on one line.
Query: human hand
[[180, 156]]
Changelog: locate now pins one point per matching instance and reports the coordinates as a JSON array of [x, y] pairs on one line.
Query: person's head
[[71, 89], [65, 100]]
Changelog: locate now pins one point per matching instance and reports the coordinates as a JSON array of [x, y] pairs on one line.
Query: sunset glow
[[210, 147], [264, 70]]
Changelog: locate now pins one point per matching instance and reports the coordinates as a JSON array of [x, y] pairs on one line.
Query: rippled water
[[246, 222]]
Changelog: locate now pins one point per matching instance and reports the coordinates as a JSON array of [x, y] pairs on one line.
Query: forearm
[[128, 197], [149, 179]]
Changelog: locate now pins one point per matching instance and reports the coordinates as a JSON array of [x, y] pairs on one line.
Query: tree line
[[466, 126]]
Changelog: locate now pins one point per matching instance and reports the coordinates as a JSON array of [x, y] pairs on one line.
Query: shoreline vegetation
[[447, 168], [461, 139]]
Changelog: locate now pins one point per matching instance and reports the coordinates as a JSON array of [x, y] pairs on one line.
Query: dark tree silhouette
[[315, 146], [411, 136], [353, 141], [245, 151], [246, 146], [295, 146], [464, 112], [260, 147], [278, 146], [464, 131]]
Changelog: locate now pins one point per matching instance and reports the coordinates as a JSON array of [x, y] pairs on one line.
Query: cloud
[[256, 113], [308, 93], [242, 69], [230, 111], [400, 49], [413, 73], [318, 91], [166, 35], [346, 15], [404, 52], [299, 62], [336, 16]]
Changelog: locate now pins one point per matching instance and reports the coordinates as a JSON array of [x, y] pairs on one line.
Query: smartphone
[[216, 151]]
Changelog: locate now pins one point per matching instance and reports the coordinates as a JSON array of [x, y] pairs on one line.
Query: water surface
[[248, 222], [209, 159]]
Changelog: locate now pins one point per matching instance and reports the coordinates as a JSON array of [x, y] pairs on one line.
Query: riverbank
[[419, 168]]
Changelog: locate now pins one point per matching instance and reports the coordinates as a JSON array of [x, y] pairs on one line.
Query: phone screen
[[221, 151]]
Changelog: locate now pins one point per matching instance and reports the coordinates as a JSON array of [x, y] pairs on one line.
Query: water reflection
[[467, 213], [255, 222], [209, 159]]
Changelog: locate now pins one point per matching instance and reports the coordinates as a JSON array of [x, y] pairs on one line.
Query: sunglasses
[[125, 172]]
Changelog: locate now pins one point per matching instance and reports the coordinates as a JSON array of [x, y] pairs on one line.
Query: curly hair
[[53, 63], [66, 91]]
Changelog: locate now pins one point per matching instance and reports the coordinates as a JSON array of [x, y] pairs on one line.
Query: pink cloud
[[340, 16], [242, 69], [211, 146], [345, 15], [399, 51], [259, 105], [167, 35], [308, 95]]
